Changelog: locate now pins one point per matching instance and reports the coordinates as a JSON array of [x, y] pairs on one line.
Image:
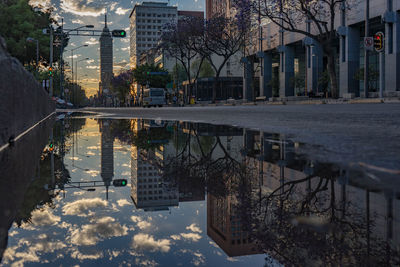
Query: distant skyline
[[86, 12]]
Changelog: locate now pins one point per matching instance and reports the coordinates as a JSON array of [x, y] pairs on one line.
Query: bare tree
[[292, 16], [179, 41], [223, 38]]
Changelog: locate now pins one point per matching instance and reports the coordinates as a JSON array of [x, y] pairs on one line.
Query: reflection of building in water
[[329, 193], [149, 191], [107, 153], [225, 226]]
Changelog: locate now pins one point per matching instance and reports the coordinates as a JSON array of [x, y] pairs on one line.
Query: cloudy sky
[[84, 12]]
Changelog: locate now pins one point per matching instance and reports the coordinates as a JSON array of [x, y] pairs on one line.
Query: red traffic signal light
[[51, 71], [379, 41], [51, 147], [120, 182], [119, 33]]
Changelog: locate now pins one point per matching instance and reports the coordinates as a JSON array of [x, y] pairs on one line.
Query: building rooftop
[[152, 4]]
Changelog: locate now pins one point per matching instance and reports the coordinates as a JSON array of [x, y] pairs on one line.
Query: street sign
[[379, 43], [369, 43]]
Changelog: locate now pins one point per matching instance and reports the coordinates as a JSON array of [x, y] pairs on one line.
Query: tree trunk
[[215, 86], [332, 74]]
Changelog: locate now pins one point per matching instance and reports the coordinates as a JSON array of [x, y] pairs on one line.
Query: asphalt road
[[340, 133]]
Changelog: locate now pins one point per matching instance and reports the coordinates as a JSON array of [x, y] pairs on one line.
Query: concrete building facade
[[289, 57], [146, 22]]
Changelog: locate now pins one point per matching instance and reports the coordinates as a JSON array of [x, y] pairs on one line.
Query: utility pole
[[51, 60], [62, 61], [366, 58]]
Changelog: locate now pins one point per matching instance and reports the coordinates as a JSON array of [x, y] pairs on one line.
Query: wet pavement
[[195, 194]]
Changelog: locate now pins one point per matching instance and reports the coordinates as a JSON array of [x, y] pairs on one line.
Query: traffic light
[[51, 71], [51, 147], [119, 33], [120, 182], [379, 38]]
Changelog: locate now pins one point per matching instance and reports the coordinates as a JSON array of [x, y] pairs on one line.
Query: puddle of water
[[196, 194]]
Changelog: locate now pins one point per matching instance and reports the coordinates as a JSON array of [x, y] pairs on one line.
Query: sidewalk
[[302, 101]]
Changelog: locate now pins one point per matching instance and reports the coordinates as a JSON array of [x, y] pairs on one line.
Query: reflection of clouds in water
[[212, 243], [103, 228], [140, 222], [123, 202], [126, 173], [90, 153], [83, 206], [194, 228], [78, 193], [44, 217], [12, 233], [147, 242], [191, 236], [126, 165], [145, 262], [187, 236], [31, 251], [93, 147], [198, 258], [76, 254], [231, 259], [93, 173], [176, 237]]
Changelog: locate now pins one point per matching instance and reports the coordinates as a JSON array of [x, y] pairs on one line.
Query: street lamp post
[[76, 75], [62, 50], [72, 61]]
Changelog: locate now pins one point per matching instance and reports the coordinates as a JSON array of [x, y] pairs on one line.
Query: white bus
[[153, 97]]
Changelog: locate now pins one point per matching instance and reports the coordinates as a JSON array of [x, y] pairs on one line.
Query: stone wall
[[23, 102], [19, 166]]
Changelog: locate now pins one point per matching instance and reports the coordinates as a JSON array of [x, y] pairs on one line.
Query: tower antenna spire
[[105, 18]]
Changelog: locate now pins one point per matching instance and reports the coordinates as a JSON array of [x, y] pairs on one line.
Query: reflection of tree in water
[[36, 195], [300, 222], [312, 227], [303, 221]]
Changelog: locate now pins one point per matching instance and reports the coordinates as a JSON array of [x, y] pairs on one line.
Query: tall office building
[[217, 8], [146, 22], [149, 190], [225, 226], [106, 61]]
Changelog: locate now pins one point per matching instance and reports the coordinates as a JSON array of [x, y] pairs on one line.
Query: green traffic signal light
[[51, 147], [119, 33], [119, 182]]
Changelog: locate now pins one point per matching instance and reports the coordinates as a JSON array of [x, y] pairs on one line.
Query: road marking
[[25, 132]]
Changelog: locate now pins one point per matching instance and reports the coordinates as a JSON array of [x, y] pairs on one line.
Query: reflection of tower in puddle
[[225, 226], [149, 191], [107, 153]]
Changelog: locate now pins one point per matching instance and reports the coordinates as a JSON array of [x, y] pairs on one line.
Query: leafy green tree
[[179, 73], [121, 84], [142, 76], [18, 21], [206, 70]]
